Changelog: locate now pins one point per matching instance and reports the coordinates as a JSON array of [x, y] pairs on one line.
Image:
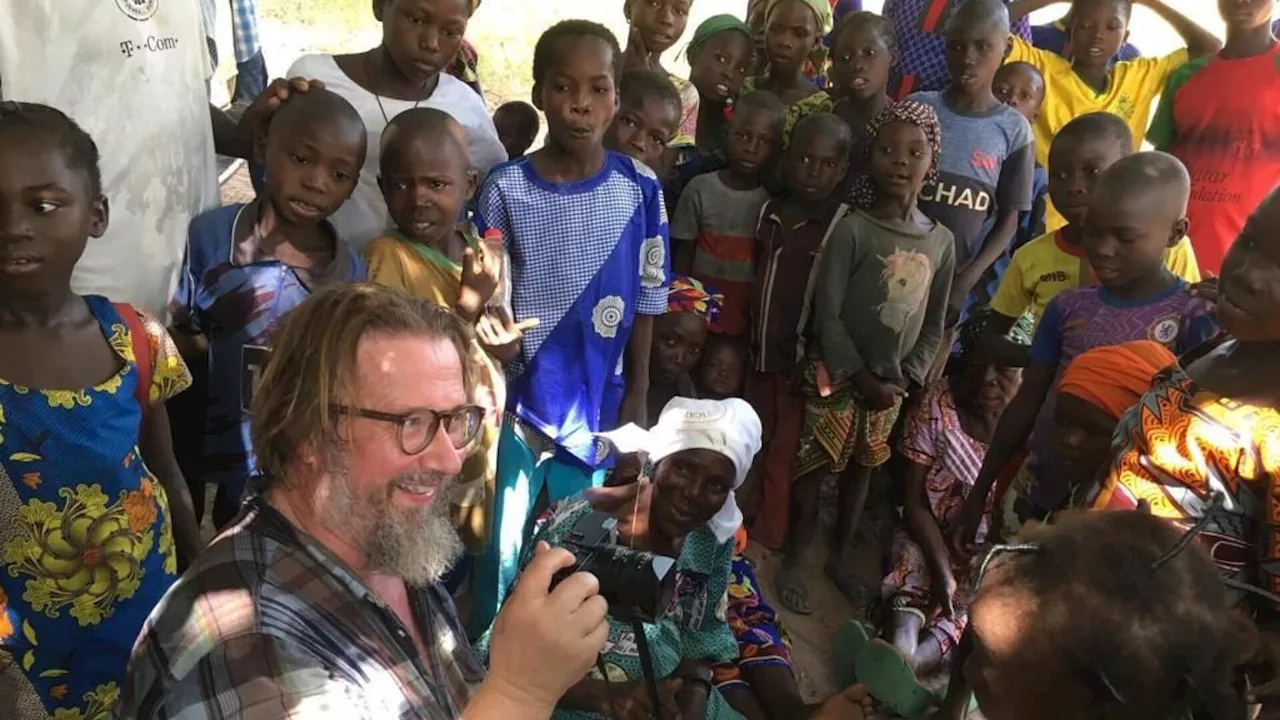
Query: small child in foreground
[[1136, 212], [517, 124], [595, 292], [881, 299], [248, 266], [714, 226], [793, 231], [647, 120], [427, 180], [97, 520]]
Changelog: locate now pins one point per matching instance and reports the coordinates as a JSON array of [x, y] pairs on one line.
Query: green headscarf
[[715, 25]]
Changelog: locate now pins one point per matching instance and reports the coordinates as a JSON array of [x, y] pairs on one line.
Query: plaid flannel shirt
[[244, 25], [268, 624]]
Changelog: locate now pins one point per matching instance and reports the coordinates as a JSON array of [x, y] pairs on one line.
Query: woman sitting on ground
[[682, 507]]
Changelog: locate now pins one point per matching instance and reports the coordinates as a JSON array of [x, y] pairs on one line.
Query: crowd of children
[[983, 277]]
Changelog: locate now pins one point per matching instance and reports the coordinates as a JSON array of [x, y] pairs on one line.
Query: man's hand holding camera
[[567, 623]]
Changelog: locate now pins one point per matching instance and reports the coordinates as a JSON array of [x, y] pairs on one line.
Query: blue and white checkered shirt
[[244, 26]]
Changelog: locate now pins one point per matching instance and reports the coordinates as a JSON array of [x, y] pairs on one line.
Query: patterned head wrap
[[715, 25], [972, 330], [865, 193], [690, 295], [1114, 378]]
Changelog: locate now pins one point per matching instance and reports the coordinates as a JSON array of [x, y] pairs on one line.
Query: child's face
[[791, 35], [720, 66], [312, 168], [421, 36], [860, 63], [48, 211], [578, 95], [754, 135], [1098, 29], [1126, 235], [814, 167], [722, 372], [1021, 87], [426, 182], [678, 338], [974, 54], [1249, 291], [1074, 167], [1242, 15], [1081, 438], [900, 159], [513, 134], [659, 23], [643, 131]]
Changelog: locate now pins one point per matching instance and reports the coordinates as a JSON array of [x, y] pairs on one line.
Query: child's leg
[[783, 432], [905, 629], [793, 589], [855, 485], [871, 431]]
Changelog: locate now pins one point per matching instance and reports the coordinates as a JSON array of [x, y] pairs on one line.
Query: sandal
[[889, 678], [850, 639]]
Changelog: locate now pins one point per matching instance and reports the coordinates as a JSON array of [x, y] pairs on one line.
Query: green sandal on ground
[[889, 678], [851, 637]]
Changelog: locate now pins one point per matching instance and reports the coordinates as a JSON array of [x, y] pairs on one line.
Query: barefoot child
[[587, 234], [1055, 262], [713, 228], [1135, 213], [517, 125], [881, 299], [792, 232], [647, 120], [987, 166], [679, 337], [1211, 426], [419, 39], [1220, 115], [427, 180], [97, 518], [273, 253], [1090, 82]]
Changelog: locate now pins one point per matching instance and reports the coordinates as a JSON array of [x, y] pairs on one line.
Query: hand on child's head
[[315, 149]]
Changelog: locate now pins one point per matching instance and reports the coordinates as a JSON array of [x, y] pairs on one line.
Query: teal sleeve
[[713, 641]]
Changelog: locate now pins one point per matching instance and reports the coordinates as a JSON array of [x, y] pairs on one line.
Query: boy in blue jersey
[[587, 233], [247, 266]]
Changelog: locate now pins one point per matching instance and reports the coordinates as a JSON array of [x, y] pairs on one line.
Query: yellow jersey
[[1132, 89], [1048, 265]]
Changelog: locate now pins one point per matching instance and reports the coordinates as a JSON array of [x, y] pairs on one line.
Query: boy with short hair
[[587, 234], [1220, 115], [517, 124], [1135, 213], [792, 232], [988, 163], [1021, 87], [1055, 262], [714, 227], [647, 120], [1090, 82], [248, 266]]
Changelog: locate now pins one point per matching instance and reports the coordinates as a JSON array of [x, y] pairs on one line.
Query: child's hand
[[944, 592], [481, 273], [879, 394], [499, 335], [636, 56], [1206, 289]]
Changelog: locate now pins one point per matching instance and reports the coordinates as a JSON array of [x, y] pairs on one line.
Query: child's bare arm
[[635, 404], [996, 242], [157, 452], [1200, 42]]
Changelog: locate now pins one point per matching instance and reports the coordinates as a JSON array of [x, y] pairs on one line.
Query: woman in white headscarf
[[682, 507]]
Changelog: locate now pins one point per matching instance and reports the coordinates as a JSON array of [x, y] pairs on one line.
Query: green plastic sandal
[[851, 637], [890, 680]]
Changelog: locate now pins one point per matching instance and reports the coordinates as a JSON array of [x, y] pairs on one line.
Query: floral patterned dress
[[935, 439], [86, 544]]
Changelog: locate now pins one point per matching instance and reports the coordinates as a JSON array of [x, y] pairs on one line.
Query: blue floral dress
[[86, 544]]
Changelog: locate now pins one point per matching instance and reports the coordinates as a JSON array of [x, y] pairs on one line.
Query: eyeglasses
[[417, 429]]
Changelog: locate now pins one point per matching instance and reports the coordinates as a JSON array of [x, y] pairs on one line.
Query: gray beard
[[418, 545]]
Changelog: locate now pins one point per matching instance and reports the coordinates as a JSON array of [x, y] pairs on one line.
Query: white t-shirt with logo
[[132, 73], [364, 217]]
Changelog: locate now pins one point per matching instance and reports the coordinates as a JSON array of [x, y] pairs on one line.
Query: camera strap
[[646, 666]]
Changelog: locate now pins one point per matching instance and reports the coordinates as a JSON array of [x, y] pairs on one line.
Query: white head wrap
[[729, 427]]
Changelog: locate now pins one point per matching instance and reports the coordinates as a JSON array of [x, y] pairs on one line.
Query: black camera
[[638, 585]]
